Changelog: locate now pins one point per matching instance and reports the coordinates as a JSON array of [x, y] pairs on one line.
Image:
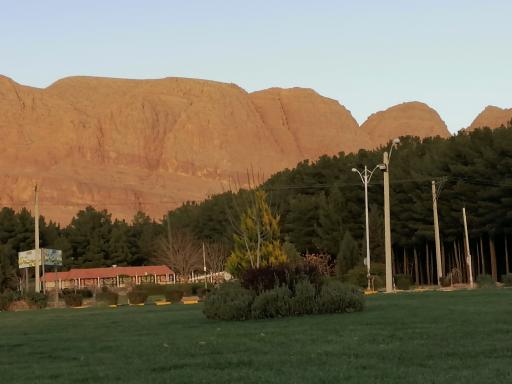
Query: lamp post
[[387, 222], [365, 178]]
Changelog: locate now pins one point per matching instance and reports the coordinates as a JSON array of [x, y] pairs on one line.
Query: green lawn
[[435, 337]]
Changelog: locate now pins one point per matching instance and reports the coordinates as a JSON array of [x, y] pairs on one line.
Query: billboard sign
[[52, 256], [27, 259]]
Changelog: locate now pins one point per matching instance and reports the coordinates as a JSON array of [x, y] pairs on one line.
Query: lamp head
[[396, 141], [354, 170], [382, 167]]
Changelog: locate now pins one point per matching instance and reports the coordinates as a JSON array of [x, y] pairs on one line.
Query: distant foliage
[[507, 280], [485, 281], [403, 282]]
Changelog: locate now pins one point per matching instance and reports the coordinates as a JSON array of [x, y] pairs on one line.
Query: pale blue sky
[[454, 55]]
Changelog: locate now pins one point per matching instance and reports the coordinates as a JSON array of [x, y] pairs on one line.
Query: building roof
[[94, 273]]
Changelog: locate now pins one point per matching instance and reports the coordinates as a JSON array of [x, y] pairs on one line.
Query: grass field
[[432, 337]]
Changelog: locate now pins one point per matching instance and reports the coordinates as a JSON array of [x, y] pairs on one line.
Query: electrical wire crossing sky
[[369, 55]]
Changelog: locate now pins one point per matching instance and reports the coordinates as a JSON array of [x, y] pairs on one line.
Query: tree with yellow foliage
[[257, 240]]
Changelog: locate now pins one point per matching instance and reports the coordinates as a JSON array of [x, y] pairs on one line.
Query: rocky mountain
[[413, 118], [492, 117], [129, 145]]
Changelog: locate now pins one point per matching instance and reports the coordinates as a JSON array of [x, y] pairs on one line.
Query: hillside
[[492, 117], [129, 145]]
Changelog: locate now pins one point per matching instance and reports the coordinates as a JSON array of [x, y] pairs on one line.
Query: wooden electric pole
[[436, 233], [204, 268], [468, 253], [36, 237]]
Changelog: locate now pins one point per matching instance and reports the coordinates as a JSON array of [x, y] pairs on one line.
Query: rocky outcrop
[[492, 117], [128, 145], [412, 118]]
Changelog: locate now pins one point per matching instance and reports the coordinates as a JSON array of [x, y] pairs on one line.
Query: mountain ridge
[[151, 144]]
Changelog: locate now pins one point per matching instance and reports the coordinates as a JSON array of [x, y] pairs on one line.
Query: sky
[[456, 56]]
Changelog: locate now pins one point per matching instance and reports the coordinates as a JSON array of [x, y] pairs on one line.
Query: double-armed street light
[[365, 176]]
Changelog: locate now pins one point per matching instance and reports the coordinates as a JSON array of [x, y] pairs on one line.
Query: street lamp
[[387, 222], [365, 178]]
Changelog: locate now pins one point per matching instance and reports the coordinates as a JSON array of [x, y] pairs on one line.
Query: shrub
[[507, 280], [174, 295], [359, 275], [403, 282], [151, 288], [73, 299], [37, 299], [6, 298], [304, 299], [229, 301], [107, 297], [485, 281], [336, 296], [265, 278], [446, 281], [202, 291], [268, 277], [137, 296], [272, 303], [86, 293]]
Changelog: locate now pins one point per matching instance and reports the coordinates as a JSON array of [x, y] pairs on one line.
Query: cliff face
[[128, 145], [492, 117], [413, 118]]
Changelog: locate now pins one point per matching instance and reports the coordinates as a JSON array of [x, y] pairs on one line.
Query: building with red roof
[[111, 277]]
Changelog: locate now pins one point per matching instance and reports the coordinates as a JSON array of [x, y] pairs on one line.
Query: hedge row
[[231, 301]]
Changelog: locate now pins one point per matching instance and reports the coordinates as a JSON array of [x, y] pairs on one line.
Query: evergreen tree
[[257, 240], [348, 256]]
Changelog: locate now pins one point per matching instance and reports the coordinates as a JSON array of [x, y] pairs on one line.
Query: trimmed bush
[[37, 299], [507, 280], [174, 295], [272, 303], [136, 296], [202, 292], [446, 281], [403, 282], [73, 299], [230, 301], [359, 275], [303, 301], [485, 281], [86, 293], [6, 298], [107, 297], [336, 296]]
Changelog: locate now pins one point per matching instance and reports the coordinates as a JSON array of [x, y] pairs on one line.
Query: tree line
[[320, 210]]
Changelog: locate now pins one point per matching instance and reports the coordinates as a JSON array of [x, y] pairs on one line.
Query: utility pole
[[387, 226], [468, 253], [436, 232], [204, 268], [36, 237], [387, 221]]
